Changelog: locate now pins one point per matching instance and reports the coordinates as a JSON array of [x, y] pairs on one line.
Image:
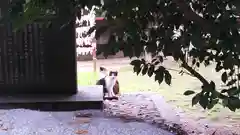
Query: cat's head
[[113, 74], [110, 73]]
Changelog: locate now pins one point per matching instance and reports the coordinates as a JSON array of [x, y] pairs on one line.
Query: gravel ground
[[26, 122], [90, 122], [132, 114]]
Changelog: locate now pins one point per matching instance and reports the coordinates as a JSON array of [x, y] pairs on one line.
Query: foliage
[[194, 32], [24, 12]]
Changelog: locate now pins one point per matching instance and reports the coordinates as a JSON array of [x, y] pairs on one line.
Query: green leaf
[[136, 66], [201, 58], [231, 82], [196, 99], [224, 77], [137, 70], [156, 63], [215, 94], [181, 72], [188, 92], [153, 60], [159, 74], [206, 63], [143, 60], [151, 70], [231, 72], [212, 103], [225, 102], [238, 75], [160, 59], [159, 78], [224, 90], [233, 91], [91, 30], [194, 62], [198, 64], [136, 63], [204, 100], [231, 108], [168, 77], [212, 86], [233, 103], [218, 67], [145, 69]]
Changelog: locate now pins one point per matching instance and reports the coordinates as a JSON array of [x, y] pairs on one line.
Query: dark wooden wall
[[36, 60]]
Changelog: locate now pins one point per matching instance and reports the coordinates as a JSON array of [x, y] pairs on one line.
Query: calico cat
[[108, 79]]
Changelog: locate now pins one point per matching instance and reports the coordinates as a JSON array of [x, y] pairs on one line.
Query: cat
[[108, 79]]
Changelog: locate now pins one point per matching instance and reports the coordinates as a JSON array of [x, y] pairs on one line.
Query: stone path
[[153, 109], [141, 107]]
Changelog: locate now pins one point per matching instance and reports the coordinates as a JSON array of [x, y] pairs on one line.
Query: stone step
[[87, 97]]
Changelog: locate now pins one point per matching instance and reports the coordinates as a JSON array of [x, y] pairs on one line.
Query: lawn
[[130, 82], [87, 78]]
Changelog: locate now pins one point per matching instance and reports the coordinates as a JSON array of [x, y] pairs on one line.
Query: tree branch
[[195, 73], [190, 15], [180, 71]]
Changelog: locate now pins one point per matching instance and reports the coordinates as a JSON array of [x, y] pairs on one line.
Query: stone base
[[54, 106], [88, 97]]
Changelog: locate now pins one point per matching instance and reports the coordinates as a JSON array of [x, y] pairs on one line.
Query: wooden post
[[94, 60], [94, 63]]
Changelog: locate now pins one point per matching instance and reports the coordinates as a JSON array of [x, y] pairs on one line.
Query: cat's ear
[[103, 69], [114, 73]]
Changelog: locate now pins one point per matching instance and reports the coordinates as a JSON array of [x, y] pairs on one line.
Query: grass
[[87, 78], [130, 82]]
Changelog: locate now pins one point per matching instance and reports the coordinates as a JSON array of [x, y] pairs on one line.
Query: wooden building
[[103, 40]]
